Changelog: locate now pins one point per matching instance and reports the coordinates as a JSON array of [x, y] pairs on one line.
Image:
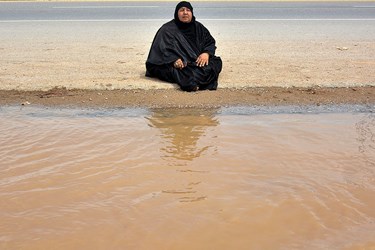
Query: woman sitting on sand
[[183, 52]]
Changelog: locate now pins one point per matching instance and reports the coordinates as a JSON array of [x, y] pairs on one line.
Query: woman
[[183, 52]]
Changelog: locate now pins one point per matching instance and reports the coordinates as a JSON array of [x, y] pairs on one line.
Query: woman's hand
[[202, 59], [179, 64]]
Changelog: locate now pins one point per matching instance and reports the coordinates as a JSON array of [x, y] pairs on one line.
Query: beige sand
[[37, 64], [118, 66]]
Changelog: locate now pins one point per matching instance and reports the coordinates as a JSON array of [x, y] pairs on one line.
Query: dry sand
[[110, 75], [81, 65]]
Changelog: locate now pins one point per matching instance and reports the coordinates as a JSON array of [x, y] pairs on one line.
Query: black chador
[[186, 41]]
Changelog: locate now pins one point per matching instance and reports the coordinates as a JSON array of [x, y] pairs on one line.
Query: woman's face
[[185, 15]]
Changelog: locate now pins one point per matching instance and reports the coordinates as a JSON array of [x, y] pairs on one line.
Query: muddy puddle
[[229, 178]]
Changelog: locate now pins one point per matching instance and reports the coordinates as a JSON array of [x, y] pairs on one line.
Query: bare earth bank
[[160, 98]]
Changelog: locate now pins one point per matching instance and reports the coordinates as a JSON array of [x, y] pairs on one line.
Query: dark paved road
[[232, 20], [204, 10]]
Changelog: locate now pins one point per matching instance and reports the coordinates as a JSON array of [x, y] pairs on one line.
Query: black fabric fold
[[170, 43]]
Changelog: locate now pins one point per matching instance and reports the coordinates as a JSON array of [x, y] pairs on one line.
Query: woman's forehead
[[183, 8]]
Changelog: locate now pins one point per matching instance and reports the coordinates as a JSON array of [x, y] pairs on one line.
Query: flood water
[[229, 178]]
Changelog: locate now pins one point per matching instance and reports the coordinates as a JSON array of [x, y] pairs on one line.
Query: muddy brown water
[[230, 178]]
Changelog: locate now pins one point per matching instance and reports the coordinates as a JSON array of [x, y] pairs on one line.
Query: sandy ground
[[85, 70], [113, 75], [245, 64], [172, 98]]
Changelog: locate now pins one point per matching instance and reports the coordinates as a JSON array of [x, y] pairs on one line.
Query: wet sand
[[175, 98]]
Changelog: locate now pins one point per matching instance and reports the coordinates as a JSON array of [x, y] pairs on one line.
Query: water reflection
[[181, 178], [181, 130]]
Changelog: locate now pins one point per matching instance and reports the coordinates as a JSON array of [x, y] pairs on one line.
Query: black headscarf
[[179, 6], [188, 29]]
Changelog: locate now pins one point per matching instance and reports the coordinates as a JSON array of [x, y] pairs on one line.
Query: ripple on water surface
[[234, 178]]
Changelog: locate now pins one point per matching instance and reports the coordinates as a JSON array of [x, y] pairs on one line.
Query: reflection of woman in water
[[182, 129]]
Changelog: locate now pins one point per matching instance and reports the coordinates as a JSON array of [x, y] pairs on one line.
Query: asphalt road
[[229, 20], [86, 11]]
